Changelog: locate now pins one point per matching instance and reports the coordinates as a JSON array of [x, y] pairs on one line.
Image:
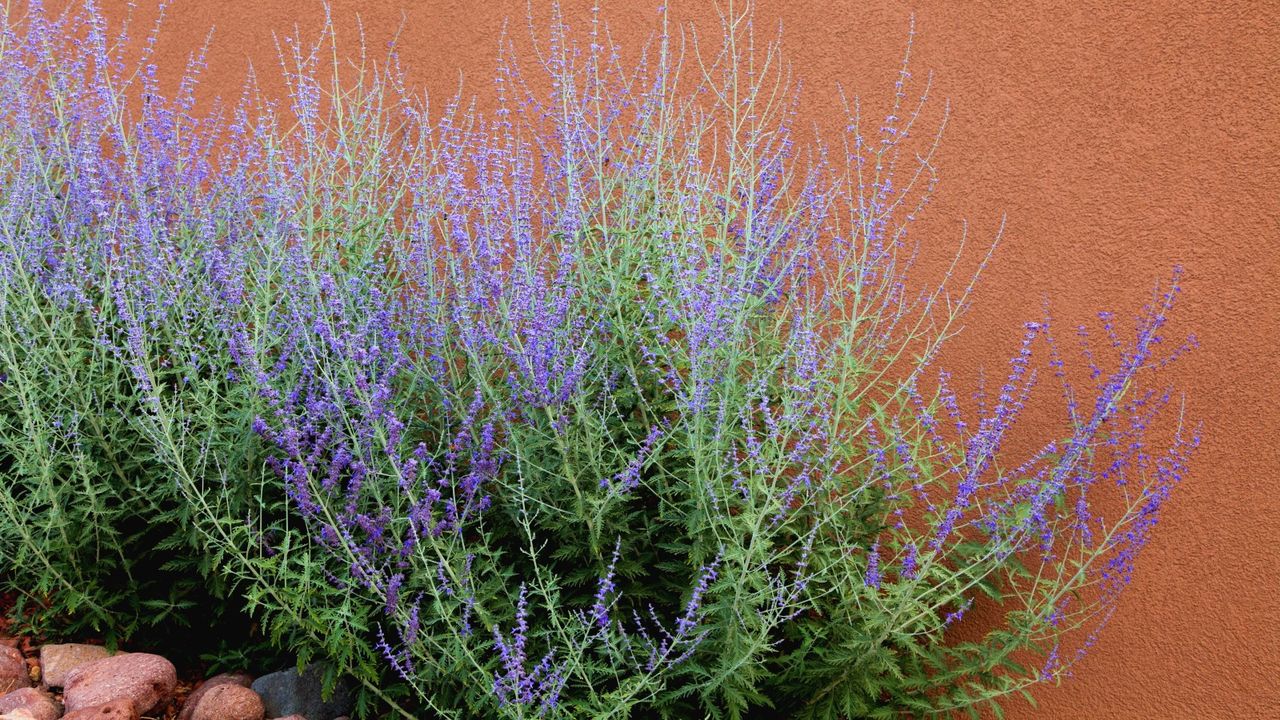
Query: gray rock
[[292, 693], [56, 661]]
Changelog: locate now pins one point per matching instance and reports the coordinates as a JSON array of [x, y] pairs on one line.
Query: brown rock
[[35, 702], [144, 679], [19, 714], [56, 661], [13, 670], [236, 678], [229, 702], [120, 709]]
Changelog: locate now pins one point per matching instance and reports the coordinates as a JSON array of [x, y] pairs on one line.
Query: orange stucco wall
[[1119, 137]]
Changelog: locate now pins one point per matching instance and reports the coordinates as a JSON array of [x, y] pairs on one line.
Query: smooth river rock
[[144, 679], [242, 679], [56, 661], [36, 703], [120, 709], [13, 670], [229, 702]]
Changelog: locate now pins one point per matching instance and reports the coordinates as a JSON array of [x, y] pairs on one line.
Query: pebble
[[143, 679]]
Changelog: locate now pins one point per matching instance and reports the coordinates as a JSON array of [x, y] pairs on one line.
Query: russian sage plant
[[621, 400], [104, 214]]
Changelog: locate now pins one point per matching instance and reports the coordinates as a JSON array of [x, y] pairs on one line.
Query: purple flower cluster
[[1052, 507], [517, 684]]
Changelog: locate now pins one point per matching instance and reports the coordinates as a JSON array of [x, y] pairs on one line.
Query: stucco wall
[[1120, 138]]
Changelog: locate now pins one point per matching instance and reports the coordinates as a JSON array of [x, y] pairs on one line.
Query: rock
[[58, 660], [121, 709], [294, 717], [292, 693], [144, 679], [13, 670], [229, 702], [19, 714], [35, 702], [236, 678]]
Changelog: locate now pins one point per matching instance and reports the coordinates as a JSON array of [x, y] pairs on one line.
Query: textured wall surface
[[1120, 137]]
